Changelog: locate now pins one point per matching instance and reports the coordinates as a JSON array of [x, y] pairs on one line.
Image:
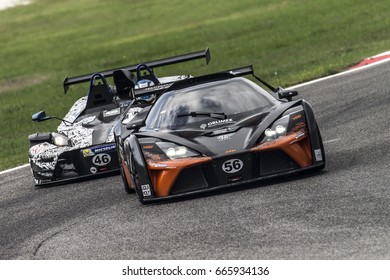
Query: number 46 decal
[[101, 159], [232, 165]]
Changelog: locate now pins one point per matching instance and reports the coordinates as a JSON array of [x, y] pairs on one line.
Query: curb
[[368, 62], [373, 59]]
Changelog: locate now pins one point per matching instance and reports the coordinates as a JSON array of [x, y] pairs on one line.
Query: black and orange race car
[[215, 131]]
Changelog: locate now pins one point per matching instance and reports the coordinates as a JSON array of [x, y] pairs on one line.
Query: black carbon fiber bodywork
[[216, 131], [209, 176]]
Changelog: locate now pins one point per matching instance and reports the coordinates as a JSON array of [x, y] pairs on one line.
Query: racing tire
[[125, 184], [321, 167], [138, 190]]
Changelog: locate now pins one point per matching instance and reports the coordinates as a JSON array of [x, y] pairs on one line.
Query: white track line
[[345, 72], [14, 169], [296, 86]]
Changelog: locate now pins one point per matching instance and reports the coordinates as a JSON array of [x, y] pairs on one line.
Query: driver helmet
[[144, 84]]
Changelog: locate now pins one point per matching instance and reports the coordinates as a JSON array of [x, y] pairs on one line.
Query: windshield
[[212, 104]]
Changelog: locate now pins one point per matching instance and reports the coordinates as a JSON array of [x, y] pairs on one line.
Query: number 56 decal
[[101, 159], [232, 165]]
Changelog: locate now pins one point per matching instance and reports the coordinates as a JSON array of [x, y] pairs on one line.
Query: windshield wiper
[[220, 116]]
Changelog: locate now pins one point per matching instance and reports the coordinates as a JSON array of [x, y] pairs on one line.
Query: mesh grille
[[189, 179]]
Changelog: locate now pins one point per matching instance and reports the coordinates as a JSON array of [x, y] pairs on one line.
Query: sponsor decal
[[220, 122], [87, 153], [151, 87], [318, 154], [225, 137], [215, 123], [232, 165], [146, 190], [221, 131], [103, 149], [101, 159], [93, 169]]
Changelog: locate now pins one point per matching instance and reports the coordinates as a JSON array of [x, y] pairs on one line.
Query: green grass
[[287, 41]]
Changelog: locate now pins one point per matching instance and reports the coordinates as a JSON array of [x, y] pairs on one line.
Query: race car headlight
[[280, 129], [60, 139], [277, 130], [174, 151]]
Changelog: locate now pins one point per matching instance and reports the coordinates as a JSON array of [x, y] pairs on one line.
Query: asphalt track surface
[[340, 213]]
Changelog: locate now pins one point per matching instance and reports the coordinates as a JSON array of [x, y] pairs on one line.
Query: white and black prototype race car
[[83, 145], [215, 131]]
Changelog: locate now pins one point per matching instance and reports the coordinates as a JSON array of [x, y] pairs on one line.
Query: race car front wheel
[[134, 174], [321, 167], [138, 190], [125, 184]]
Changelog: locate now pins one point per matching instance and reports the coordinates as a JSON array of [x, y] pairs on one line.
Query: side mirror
[[40, 116], [136, 124], [139, 120], [287, 94]]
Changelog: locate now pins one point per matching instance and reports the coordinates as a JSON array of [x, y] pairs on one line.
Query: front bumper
[[196, 175], [61, 166], [207, 189]]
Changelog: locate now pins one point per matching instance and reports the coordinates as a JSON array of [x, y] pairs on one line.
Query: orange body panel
[[164, 174], [296, 145]]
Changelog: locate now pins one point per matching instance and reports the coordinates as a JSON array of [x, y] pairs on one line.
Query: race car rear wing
[[68, 81], [242, 71], [227, 74], [160, 88], [248, 70]]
